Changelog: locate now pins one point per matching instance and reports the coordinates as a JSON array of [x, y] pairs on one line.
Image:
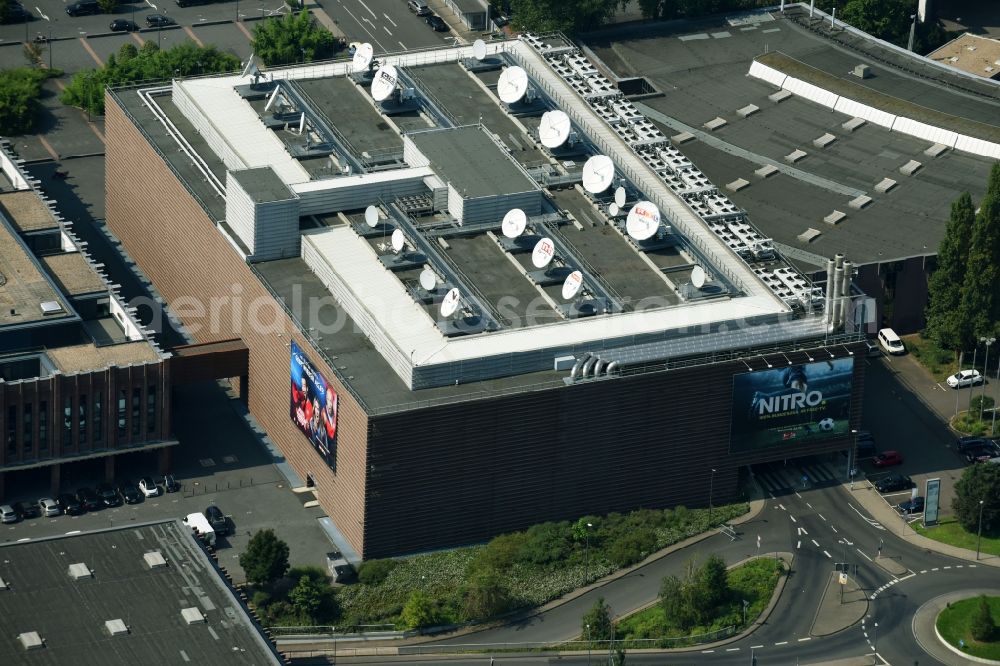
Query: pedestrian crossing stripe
[[780, 480]]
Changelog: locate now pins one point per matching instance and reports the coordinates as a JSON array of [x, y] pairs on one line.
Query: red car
[[888, 458]]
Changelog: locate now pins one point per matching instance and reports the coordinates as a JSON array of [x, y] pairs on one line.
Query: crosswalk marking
[[782, 479]]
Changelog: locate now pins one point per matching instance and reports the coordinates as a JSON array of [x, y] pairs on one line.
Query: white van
[[199, 523], [890, 342]]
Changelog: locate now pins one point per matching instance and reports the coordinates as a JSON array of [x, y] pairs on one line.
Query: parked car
[[89, 499], [8, 514], [148, 487], [915, 505], [69, 504], [968, 442], [892, 482], [28, 510], [130, 492], [217, 519], [866, 444], [17, 14], [888, 458], [982, 453], [418, 7], [170, 484], [158, 21], [83, 7], [964, 378], [436, 23], [123, 25], [109, 495], [890, 342], [50, 508]]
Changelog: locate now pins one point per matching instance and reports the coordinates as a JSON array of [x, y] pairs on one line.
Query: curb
[[963, 655]]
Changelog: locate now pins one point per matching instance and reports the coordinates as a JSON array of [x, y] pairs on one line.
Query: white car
[[8, 515], [965, 378], [49, 507], [149, 487]]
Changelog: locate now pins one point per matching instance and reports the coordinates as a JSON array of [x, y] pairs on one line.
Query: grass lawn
[[950, 532], [754, 581], [939, 362], [953, 625]]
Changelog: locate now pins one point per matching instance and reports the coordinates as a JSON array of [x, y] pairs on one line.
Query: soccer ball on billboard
[[827, 424]]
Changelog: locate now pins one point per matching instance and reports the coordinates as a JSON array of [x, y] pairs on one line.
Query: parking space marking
[[138, 40], [93, 54], [245, 31], [828, 554], [390, 20], [194, 37], [48, 148]]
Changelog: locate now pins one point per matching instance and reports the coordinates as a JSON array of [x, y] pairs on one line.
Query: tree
[[712, 585], [978, 482], [945, 323], [20, 90], [419, 610], [569, 16], [307, 596], [485, 595], [266, 558], [291, 39], [983, 628], [596, 623], [108, 6], [981, 289], [675, 607]]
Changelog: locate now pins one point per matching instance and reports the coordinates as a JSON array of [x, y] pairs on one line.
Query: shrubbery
[[374, 572], [20, 90]]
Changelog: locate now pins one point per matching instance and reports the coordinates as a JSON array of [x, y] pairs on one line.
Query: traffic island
[[891, 564], [969, 627], [844, 603]]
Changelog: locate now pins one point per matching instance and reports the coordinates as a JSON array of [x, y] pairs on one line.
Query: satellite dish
[[363, 57], [512, 85], [270, 100], [514, 223], [620, 196], [544, 250], [554, 129], [479, 49], [450, 303], [613, 210], [398, 240], [371, 216], [251, 65], [598, 173], [428, 280], [384, 83], [698, 277], [643, 220], [571, 285]]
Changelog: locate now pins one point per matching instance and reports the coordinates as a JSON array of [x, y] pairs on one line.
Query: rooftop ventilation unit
[[154, 559], [80, 570], [192, 615], [31, 640], [51, 307], [115, 627]]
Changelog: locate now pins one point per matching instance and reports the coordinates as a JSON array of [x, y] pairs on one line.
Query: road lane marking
[[362, 3], [24, 539], [834, 529], [86, 47], [821, 516], [793, 519], [782, 643], [815, 543], [828, 554], [807, 638], [387, 30], [797, 494], [40, 13], [404, 48], [73, 532], [782, 507], [863, 554], [707, 651], [732, 649], [756, 647], [802, 531], [946, 568], [809, 505], [390, 20], [934, 569]]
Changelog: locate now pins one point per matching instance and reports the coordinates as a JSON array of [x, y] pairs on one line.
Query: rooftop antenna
[[514, 223], [598, 172], [571, 285], [698, 277], [620, 197], [362, 57], [450, 303], [479, 49], [398, 240], [614, 209], [428, 280], [274, 96], [553, 130], [371, 216], [542, 255], [384, 83], [512, 85], [643, 220]]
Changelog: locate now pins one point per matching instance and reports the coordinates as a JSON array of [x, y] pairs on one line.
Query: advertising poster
[[313, 406], [932, 493], [791, 405]]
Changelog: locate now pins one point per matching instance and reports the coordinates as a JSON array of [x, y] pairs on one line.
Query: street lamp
[[913, 30], [711, 492], [586, 574], [975, 353], [986, 364], [979, 535], [875, 644], [588, 645]]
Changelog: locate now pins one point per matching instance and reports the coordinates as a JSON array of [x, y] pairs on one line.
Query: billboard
[[313, 406], [791, 405], [932, 493]]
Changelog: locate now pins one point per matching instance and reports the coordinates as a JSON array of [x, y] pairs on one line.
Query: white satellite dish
[[514, 223], [571, 285], [544, 250], [479, 49], [620, 196], [554, 129], [363, 57], [398, 240], [270, 100], [428, 280], [512, 85], [598, 172], [249, 66], [698, 277], [384, 82], [613, 210], [643, 220], [450, 303], [371, 216]]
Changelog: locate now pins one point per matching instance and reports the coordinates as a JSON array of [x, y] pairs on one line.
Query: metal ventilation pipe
[[588, 366], [845, 293], [828, 303], [838, 279], [599, 367], [612, 367], [574, 373]]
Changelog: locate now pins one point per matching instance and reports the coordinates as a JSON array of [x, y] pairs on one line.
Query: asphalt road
[[387, 24]]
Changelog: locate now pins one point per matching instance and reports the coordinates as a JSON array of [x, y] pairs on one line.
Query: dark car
[[17, 14], [158, 21], [915, 505], [170, 484], [70, 505], [892, 482], [963, 443], [436, 23], [981, 453], [28, 510], [130, 492], [83, 7], [89, 499], [217, 519], [866, 444], [109, 495], [123, 25]]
